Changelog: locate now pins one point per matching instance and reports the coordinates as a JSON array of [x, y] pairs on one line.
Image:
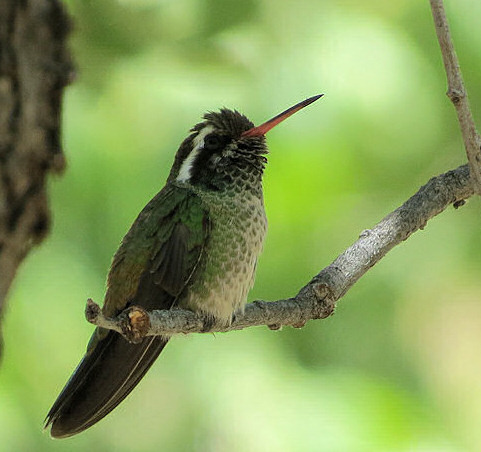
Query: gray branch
[[318, 298], [458, 93]]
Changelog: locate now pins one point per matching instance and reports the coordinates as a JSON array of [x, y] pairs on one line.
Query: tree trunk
[[34, 69]]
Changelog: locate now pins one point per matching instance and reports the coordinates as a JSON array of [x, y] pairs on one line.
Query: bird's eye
[[213, 142]]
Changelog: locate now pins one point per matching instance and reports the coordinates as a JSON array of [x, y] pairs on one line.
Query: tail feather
[[104, 377]]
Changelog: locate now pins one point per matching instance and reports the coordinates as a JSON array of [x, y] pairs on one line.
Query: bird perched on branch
[[195, 245]]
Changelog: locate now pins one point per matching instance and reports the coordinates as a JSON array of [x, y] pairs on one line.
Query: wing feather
[[152, 267]]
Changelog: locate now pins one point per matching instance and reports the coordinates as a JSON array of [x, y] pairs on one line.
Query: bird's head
[[226, 148]]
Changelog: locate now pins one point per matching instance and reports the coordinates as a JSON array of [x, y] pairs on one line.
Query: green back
[[159, 254]]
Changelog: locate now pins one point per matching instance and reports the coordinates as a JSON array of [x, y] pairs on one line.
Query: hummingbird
[[194, 246]]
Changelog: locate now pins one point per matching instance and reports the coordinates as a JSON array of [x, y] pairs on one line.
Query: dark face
[[216, 154], [226, 150]]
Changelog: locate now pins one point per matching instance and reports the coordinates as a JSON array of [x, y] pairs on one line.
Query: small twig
[[457, 93], [317, 299]]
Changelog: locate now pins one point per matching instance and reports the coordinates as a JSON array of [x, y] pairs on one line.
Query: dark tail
[[104, 377]]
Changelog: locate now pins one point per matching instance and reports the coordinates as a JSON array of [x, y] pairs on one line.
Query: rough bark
[[34, 68]]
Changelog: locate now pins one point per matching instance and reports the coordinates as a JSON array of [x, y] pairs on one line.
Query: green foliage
[[397, 367]]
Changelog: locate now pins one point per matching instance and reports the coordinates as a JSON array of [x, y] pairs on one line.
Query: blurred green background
[[397, 368]]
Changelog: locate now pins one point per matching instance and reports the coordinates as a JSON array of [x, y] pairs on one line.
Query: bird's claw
[[135, 324]]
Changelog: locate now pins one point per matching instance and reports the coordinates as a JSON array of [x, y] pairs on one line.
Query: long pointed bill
[[268, 125]]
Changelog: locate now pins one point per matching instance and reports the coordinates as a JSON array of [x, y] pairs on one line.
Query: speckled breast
[[229, 261]]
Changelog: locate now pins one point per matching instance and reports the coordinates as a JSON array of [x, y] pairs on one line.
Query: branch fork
[[457, 93]]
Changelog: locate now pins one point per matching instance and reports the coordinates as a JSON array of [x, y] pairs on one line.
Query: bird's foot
[[135, 324], [209, 322]]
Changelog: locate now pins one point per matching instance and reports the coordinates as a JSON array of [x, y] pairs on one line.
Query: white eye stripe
[[197, 144]]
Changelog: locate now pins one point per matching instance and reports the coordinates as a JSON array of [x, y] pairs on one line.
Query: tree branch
[[457, 92], [318, 298]]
